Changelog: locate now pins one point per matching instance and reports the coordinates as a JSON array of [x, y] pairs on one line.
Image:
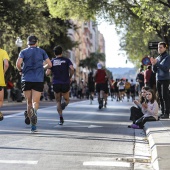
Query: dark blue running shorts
[[61, 88]]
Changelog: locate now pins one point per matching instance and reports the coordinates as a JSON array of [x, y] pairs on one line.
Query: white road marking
[[18, 162], [107, 163], [94, 126]]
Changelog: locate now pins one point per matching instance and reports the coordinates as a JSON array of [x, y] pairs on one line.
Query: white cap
[[99, 66]]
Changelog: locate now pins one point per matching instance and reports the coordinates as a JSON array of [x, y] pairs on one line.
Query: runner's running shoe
[[63, 105], [61, 121], [33, 116], [33, 128], [100, 103], [27, 119], [1, 116]]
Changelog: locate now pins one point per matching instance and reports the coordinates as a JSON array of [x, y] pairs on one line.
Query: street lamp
[[18, 43]]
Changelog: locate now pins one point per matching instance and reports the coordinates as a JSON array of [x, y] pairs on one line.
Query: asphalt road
[[89, 139]]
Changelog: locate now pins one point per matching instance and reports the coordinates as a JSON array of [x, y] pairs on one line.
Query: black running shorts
[[61, 88], [1, 88], [37, 86], [101, 86]]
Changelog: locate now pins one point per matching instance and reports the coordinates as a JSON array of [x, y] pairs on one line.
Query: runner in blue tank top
[[62, 71]]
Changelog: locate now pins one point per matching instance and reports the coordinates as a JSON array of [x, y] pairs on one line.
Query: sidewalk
[[158, 134]]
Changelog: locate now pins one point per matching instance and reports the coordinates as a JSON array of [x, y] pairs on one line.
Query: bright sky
[[114, 57]]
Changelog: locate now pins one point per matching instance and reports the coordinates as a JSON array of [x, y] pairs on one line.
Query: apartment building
[[90, 41]]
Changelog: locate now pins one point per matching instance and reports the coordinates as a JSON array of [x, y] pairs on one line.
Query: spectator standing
[[140, 78], [147, 76], [161, 66], [30, 65], [62, 71], [9, 87], [4, 64]]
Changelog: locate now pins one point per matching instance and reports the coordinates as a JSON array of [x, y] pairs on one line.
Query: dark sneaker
[[100, 104], [63, 105], [33, 128], [61, 121], [1, 116], [33, 117], [91, 97], [165, 116], [27, 119]]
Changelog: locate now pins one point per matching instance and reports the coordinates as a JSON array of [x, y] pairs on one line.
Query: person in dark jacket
[[161, 66]]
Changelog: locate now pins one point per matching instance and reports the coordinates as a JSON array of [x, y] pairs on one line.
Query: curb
[[159, 142]]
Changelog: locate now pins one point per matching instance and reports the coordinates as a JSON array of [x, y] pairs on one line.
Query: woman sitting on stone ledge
[[149, 109]]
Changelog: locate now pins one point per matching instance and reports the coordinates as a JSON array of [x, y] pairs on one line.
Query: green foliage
[[27, 17], [143, 20], [91, 61]]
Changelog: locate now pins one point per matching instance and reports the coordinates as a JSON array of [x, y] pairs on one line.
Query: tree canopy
[[31, 17], [137, 22]]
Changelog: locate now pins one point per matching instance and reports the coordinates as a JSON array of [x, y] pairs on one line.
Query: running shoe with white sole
[[33, 129], [33, 116], [61, 121]]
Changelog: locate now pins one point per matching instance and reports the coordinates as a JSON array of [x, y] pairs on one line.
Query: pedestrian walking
[[4, 64], [161, 66], [30, 65], [62, 71], [149, 109]]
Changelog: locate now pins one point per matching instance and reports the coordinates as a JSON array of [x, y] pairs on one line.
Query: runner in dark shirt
[[62, 71]]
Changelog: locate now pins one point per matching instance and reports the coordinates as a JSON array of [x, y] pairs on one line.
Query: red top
[[100, 76], [10, 85], [147, 75]]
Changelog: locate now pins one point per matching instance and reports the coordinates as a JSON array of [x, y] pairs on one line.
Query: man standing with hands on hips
[[161, 66]]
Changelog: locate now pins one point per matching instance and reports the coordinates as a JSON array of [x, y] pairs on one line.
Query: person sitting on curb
[[136, 112], [149, 109]]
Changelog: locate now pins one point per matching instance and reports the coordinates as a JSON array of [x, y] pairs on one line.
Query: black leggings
[[135, 113], [141, 121]]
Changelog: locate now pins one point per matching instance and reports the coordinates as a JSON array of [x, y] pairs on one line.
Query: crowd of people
[[151, 85]]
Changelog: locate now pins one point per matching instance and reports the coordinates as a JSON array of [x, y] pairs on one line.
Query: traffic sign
[[153, 45], [146, 61]]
